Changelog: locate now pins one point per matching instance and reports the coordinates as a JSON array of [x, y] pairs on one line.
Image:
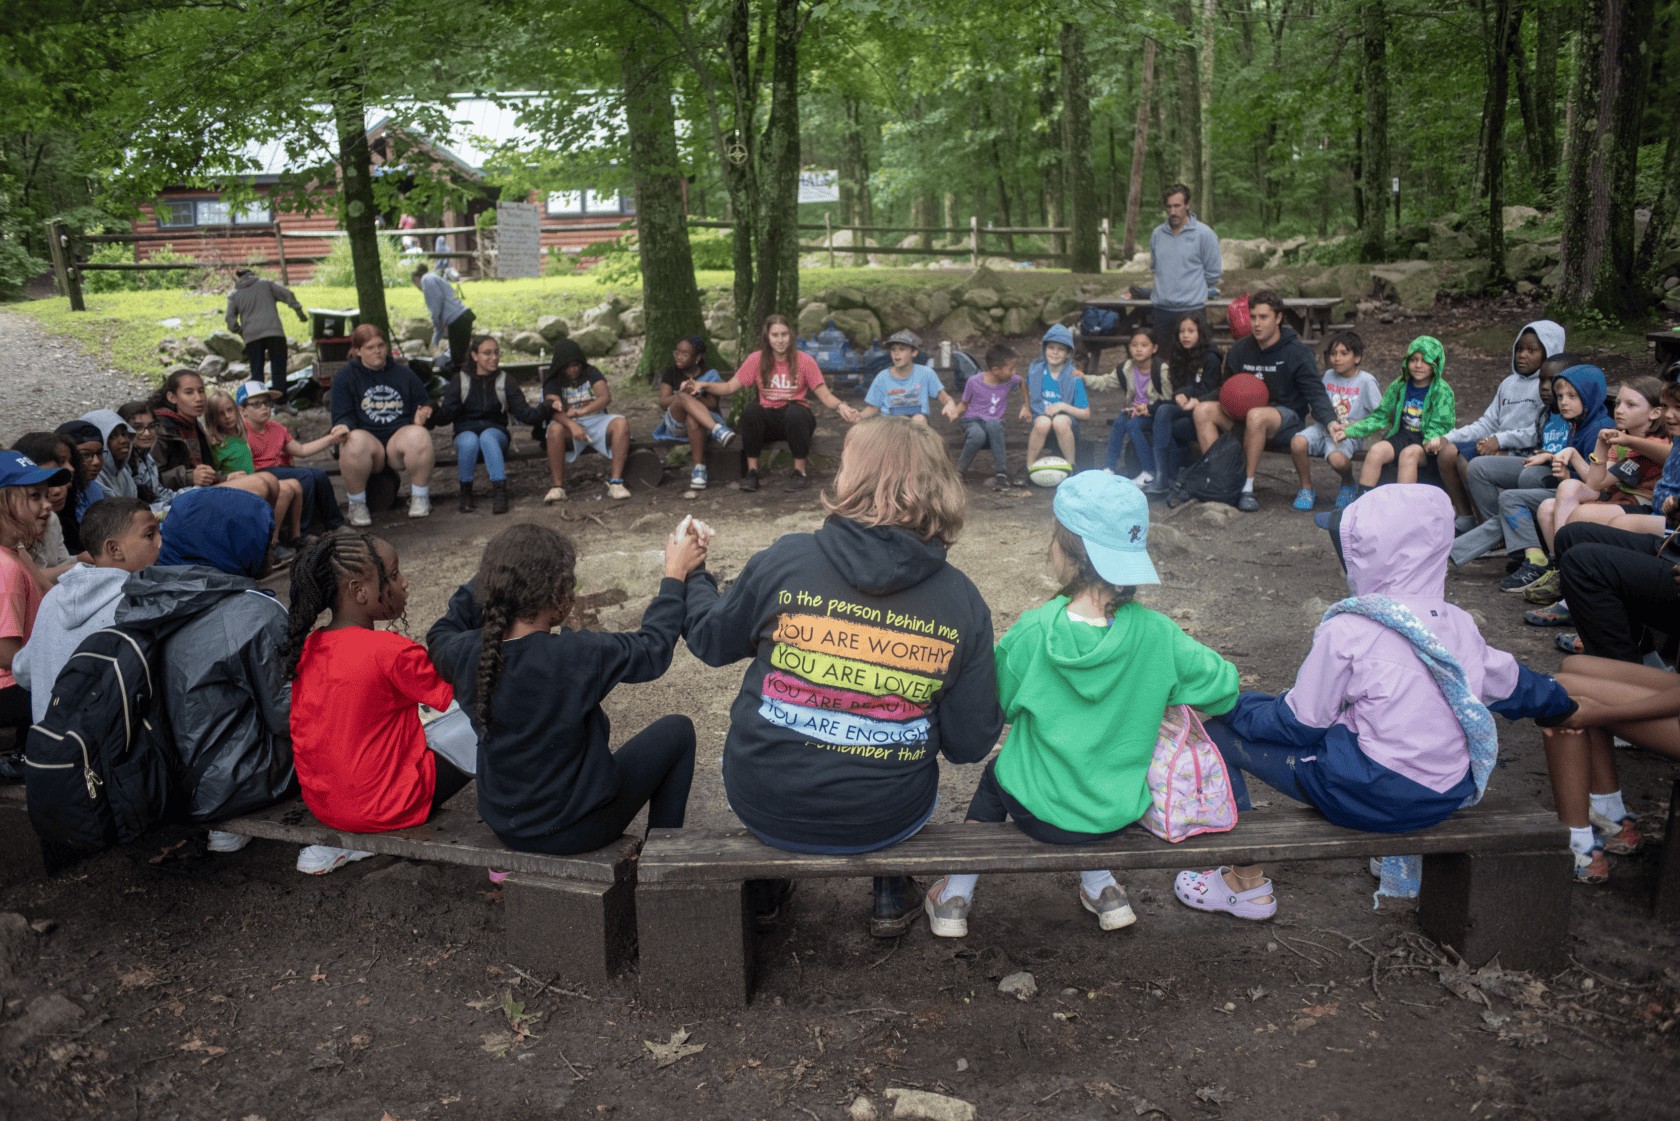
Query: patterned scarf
[[1402, 876]]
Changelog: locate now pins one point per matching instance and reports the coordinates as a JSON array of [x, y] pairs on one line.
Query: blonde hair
[[212, 426], [894, 471], [16, 528]]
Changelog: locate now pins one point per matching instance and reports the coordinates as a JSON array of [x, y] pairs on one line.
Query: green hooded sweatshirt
[[1440, 414], [1085, 704]]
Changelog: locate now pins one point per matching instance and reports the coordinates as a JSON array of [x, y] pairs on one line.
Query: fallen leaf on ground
[[1219, 1095], [678, 1048], [1327, 1009], [203, 1047]]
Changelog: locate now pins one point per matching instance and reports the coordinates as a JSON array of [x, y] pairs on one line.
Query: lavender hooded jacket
[[1379, 747]]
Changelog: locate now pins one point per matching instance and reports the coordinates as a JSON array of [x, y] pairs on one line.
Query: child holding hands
[[907, 388], [546, 779], [985, 400]]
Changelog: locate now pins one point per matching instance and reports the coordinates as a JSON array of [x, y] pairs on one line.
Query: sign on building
[[819, 186], [518, 240]]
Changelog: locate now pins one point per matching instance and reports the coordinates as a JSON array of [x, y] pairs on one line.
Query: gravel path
[[45, 381]]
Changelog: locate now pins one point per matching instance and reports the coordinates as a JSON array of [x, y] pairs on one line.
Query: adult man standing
[[1294, 388], [254, 315], [448, 314], [1184, 256]]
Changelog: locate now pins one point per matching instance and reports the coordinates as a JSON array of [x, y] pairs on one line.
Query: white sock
[[420, 492], [358, 496], [1093, 883], [1582, 840], [1610, 806], [1248, 485], [958, 885]]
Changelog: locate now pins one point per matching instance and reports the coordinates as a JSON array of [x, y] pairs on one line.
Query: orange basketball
[[1242, 392]]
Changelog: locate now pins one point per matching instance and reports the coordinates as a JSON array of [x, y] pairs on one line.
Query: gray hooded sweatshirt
[[115, 476], [1512, 414], [252, 313], [84, 600]]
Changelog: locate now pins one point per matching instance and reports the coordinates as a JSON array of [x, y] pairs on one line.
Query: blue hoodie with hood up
[[1066, 386]]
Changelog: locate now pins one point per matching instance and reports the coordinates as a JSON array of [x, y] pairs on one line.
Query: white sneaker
[[1144, 479], [555, 494], [697, 478], [723, 435], [359, 516], [318, 860], [618, 492], [420, 506], [226, 842]]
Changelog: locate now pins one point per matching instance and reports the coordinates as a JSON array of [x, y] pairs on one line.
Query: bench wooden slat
[[696, 856], [454, 835]]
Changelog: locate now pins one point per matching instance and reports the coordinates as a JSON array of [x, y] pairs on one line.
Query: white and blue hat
[[1110, 516]]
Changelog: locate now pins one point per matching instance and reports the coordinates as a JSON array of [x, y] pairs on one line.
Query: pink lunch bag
[[1189, 789]]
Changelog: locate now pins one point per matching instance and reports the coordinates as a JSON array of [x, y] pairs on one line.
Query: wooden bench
[[566, 915], [1666, 344], [1496, 882], [1308, 315]]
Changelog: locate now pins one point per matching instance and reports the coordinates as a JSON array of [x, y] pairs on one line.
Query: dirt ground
[[165, 983]]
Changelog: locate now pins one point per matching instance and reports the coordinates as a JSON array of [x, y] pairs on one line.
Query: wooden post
[[73, 275], [280, 252], [828, 236], [974, 232], [55, 249], [1102, 264]]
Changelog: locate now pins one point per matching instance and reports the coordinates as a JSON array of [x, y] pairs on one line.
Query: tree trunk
[[738, 159], [1547, 30], [1204, 121], [1373, 154], [1597, 250], [356, 207], [670, 300], [1188, 140], [1525, 98], [1359, 153], [1662, 207], [1493, 155], [1140, 138], [776, 291], [1084, 246]]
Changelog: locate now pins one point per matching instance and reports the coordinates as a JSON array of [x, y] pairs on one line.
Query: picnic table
[[1308, 315], [1667, 345]]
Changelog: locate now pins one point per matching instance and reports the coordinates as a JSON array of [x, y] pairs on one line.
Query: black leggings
[[792, 422], [655, 769], [451, 780], [15, 712], [273, 350]]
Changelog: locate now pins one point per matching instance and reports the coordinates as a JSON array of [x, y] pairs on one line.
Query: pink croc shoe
[[1208, 891]]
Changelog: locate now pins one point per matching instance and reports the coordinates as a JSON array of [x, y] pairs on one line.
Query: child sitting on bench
[[546, 779], [363, 764], [1084, 682], [1388, 728]]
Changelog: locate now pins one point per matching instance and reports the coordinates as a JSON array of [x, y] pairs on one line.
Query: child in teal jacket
[[1417, 410], [1084, 682]]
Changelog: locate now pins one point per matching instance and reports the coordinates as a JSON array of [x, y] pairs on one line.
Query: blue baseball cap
[[18, 470], [1110, 515]]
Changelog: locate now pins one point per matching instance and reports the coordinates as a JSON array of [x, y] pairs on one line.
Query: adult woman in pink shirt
[[783, 376]]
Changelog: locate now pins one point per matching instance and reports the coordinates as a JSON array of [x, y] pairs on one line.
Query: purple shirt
[[986, 401]]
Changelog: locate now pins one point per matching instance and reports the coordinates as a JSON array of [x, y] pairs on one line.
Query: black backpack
[[100, 770], [1216, 477]]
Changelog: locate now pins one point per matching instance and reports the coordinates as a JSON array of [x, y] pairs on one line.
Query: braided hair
[[526, 569], [316, 577]]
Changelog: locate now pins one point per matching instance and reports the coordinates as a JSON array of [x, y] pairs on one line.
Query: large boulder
[[1530, 259], [299, 361], [1463, 278], [527, 342], [605, 315], [845, 297], [212, 367], [635, 322], [859, 324], [1057, 309], [1343, 282], [1515, 217], [552, 328], [225, 344], [982, 298], [412, 328], [939, 305], [899, 311], [1411, 284], [813, 317], [722, 325], [1018, 321], [597, 340], [1449, 244], [964, 325]]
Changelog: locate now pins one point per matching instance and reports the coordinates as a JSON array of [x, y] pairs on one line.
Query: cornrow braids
[[316, 576], [526, 569]]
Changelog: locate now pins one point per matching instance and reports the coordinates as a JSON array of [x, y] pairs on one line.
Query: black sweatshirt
[[1289, 371], [484, 407], [544, 761], [870, 656]]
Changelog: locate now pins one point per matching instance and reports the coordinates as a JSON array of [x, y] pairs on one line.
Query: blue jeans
[[1138, 430], [847, 850], [492, 443], [1175, 429], [978, 434], [1273, 764]]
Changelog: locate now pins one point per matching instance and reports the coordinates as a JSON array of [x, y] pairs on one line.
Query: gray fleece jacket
[[1512, 414], [252, 308], [84, 600]]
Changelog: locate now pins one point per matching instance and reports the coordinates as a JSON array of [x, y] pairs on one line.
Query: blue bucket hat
[[18, 470], [1110, 516]]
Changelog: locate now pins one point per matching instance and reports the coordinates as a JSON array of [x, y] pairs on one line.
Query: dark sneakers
[[466, 501], [898, 900], [799, 481], [1525, 577], [498, 498], [749, 481], [1247, 503]]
